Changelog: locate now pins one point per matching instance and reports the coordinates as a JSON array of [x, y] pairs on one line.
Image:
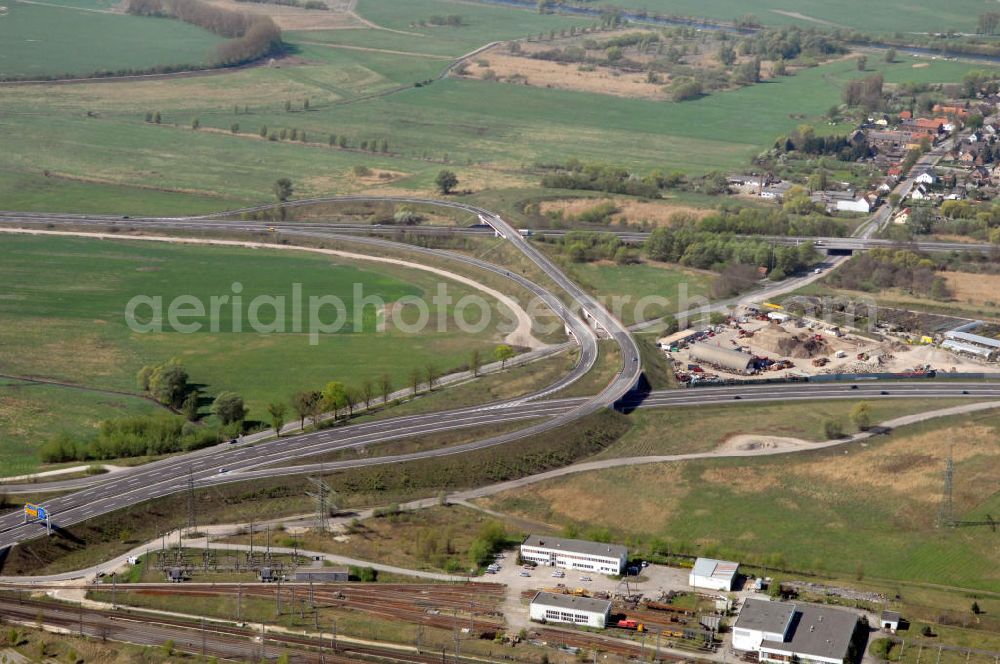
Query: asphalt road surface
[[226, 463]]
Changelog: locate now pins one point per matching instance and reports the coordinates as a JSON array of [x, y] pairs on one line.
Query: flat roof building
[[574, 554], [679, 337], [552, 607], [785, 632], [713, 574]]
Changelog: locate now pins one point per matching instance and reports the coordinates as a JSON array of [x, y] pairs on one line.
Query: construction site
[[762, 345]]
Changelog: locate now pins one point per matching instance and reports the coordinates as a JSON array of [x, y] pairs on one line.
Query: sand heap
[[775, 339]]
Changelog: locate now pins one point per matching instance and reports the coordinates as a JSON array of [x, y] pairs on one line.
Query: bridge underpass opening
[[839, 252]]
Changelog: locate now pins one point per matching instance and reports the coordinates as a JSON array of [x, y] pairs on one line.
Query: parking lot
[[651, 582]]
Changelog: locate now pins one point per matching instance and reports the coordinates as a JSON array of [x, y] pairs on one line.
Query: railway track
[[210, 638], [432, 605]]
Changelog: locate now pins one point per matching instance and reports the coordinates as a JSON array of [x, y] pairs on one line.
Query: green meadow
[[486, 132], [43, 39], [888, 16], [32, 412], [64, 304]]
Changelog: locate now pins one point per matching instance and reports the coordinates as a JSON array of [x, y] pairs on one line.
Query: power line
[[323, 496], [946, 517]]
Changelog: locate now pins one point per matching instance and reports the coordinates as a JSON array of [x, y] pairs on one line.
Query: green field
[[51, 39], [28, 414], [635, 293], [63, 311], [63, 142], [890, 16], [864, 510], [690, 430]]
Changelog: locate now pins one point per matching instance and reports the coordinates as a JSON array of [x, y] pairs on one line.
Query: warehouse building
[[725, 359], [550, 607], [785, 632], [962, 340], [677, 339], [574, 554], [713, 574]]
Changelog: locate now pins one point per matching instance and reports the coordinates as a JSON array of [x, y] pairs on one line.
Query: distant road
[[217, 464], [225, 464], [824, 243]]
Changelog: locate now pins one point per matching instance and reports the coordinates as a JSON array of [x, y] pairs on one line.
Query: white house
[[552, 607], [713, 574], [926, 177], [574, 554], [919, 193], [858, 204], [889, 621], [785, 632]]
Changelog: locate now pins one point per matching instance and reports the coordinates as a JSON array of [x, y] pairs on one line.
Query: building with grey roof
[[553, 607], [574, 554], [726, 359], [713, 574], [794, 632]]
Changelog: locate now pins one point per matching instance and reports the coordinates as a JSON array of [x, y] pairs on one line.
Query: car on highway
[[524, 573], [233, 441], [223, 471]]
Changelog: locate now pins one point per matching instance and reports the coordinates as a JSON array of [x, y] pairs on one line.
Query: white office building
[[551, 607], [783, 632], [574, 554], [711, 574]]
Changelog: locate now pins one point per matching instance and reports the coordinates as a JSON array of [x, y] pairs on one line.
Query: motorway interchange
[[585, 319], [93, 497]]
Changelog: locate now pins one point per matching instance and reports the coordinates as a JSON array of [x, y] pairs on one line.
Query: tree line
[[306, 4], [715, 251], [341, 400], [169, 385], [879, 269], [249, 37]]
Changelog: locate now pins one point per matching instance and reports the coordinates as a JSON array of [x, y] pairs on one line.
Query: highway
[[272, 459], [214, 464], [92, 497], [825, 243]]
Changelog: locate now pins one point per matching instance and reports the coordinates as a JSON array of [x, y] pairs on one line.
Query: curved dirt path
[[791, 446], [783, 446], [521, 335]]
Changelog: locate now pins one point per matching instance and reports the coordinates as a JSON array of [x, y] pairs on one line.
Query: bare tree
[[385, 385], [368, 393], [432, 376]]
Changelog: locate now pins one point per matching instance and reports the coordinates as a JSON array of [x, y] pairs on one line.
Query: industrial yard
[[760, 345]]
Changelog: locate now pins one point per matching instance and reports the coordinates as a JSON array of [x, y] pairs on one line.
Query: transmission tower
[[323, 496], [946, 518]]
